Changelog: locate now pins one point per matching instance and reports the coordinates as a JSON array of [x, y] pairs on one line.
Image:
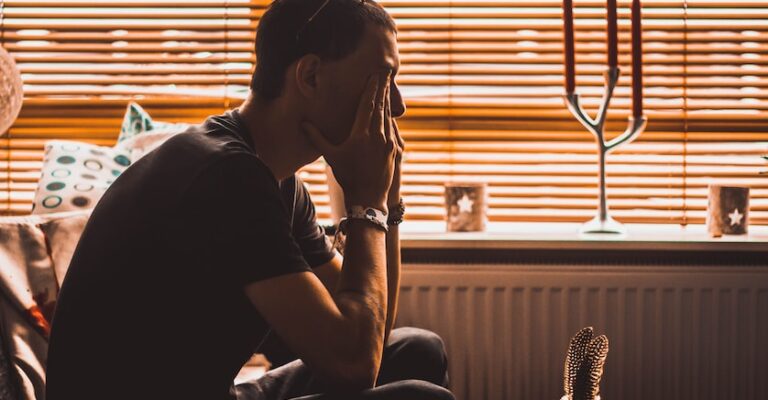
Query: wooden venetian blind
[[82, 61], [483, 84]]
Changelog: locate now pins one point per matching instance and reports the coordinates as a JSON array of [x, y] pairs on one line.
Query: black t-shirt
[[153, 305]]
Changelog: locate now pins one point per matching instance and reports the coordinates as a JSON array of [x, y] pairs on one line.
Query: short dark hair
[[333, 34]]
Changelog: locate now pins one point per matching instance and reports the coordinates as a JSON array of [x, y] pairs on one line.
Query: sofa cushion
[[140, 134], [137, 121], [76, 174], [35, 252], [8, 385]]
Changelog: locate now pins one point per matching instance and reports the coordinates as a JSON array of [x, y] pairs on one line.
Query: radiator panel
[[675, 332]]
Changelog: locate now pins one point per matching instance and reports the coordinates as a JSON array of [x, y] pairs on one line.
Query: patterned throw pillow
[[76, 174], [140, 134]]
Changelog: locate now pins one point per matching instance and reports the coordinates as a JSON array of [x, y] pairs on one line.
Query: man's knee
[[419, 343], [413, 389], [414, 353]]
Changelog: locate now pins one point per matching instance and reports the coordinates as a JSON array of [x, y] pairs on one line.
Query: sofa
[[36, 249]]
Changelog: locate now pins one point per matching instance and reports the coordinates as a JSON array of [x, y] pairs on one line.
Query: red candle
[[637, 60], [613, 34], [570, 58]]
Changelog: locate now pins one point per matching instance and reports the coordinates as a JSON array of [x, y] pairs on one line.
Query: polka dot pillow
[[75, 175]]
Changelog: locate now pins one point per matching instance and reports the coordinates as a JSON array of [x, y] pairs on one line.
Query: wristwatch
[[370, 214], [396, 214]]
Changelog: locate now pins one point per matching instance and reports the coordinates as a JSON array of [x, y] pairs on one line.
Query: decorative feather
[[575, 357], [587, 383]]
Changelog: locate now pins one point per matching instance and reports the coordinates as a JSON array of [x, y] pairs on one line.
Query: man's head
[[319, 53]]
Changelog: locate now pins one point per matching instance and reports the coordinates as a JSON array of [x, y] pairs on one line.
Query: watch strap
[[370, 214], [396, 214]]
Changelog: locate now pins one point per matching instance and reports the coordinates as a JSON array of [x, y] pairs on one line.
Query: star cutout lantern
[[465, 204], [735, 217]]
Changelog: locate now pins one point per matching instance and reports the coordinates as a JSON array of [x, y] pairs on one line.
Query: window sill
[[515, 235], [427, 241]]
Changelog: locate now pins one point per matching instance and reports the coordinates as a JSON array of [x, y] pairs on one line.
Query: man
[[209, 243]]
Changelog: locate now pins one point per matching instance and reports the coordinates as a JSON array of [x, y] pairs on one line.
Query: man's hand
[[393, 197], [364, 164]]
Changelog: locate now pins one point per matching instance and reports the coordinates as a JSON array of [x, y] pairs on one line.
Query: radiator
[[676, 332]]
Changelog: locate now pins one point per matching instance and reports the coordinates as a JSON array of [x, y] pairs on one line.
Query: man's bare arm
[[329, 275], [393, 277], [393, 235], [329, 272], [340, 336]]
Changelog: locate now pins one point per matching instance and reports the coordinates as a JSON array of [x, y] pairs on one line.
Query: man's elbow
[[354, 376], [366, 373], [356, 346]]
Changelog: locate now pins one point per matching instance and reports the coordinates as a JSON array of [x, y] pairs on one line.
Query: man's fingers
[[388, 119], [317, 139], [366, 106], [377, 119], [396, 130]]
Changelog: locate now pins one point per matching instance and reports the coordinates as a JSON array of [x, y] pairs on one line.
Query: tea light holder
[[727, 210], [466, 207]]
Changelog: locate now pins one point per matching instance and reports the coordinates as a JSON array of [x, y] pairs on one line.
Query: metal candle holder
[[602, 222]]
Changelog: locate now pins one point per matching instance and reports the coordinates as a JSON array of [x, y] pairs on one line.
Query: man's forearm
[[362, 290], [393, 277]]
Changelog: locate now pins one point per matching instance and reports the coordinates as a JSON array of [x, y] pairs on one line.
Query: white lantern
[[11, 91]]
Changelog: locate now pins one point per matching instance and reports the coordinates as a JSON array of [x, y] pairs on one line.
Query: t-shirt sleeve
[[244, 221], [315, 245]]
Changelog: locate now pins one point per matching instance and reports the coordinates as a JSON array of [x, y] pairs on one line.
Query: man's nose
[[396, 103]]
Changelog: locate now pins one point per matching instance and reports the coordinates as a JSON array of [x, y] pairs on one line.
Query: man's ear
[[307, 69]]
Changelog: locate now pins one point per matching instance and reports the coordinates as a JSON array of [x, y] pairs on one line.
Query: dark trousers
[[414, 367]]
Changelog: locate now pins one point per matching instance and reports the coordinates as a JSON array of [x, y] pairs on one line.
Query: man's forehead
[[379, 49]]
